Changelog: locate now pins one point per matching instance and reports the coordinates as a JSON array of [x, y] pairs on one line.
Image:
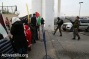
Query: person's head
[[25, 21], [1, 36], [30, 15], [14, 19], [26, 27], [58, 18], [77, 18], [42, 18], [34, 15]]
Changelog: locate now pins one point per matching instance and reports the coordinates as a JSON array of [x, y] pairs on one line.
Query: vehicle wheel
[[64, 29], [88, 29], [79, 30]]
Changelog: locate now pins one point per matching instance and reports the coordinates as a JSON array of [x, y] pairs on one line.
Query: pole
[[2, 7], [16, 8], [44, 39], [45, 43], [79, 9], [7, 9], [28, 13]]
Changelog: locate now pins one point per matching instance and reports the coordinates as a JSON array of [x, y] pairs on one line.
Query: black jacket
[[42, 21], [60, 22], [19, 39], [33, 21]]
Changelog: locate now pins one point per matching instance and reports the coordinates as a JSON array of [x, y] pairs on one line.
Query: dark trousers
[[37, 33], [22, 51], [75, 33], [58, 27], [33, 34]]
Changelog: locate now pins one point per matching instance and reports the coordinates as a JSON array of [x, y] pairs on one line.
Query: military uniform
[[76, 27], [59, 23]]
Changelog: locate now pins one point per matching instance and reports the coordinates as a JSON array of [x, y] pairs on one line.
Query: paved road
[[62, 47], [86, 33], [38, 50], [66, 48]]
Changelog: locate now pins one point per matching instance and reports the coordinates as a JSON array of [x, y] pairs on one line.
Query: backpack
[[60, 22]]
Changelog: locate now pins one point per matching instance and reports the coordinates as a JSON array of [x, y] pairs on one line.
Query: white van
[[84, 25]]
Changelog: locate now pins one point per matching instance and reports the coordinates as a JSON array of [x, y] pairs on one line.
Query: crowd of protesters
[[24, 33]]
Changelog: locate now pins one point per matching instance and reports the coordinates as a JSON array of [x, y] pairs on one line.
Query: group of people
[[76, 24], [23, 35]]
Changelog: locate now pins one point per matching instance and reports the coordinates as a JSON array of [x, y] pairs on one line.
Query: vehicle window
[[84, 21], [88, 21]]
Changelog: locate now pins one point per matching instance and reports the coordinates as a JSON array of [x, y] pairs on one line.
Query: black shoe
[[79, 38], [73, 38], [29, 48], [37, 39], [34, 42], [60, 35]]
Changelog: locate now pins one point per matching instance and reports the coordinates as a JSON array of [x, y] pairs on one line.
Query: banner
[[28, 13]]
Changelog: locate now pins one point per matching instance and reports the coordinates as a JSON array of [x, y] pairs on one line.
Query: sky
[[71, 7], [68, 7]]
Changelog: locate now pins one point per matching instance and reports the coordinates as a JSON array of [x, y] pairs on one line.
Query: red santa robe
[[28, 35]]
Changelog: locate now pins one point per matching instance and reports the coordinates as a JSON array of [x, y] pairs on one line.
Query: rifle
[[70, 20]]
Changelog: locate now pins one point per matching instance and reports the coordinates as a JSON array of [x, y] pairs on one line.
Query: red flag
[[37, 14]]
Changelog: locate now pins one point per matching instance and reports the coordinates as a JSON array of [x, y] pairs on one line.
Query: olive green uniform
[[76, 27]]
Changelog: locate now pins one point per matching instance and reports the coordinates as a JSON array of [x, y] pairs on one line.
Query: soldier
[[76, 27], [59, 23]]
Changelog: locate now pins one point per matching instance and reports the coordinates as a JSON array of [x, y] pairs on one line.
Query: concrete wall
[[46, 9], [37, 6], [49, 15], [43, 8]]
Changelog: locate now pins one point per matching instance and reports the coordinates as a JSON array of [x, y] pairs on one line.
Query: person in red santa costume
[[28, 35]]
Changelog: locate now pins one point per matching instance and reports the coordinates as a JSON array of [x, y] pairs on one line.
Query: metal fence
[[8, 9]]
